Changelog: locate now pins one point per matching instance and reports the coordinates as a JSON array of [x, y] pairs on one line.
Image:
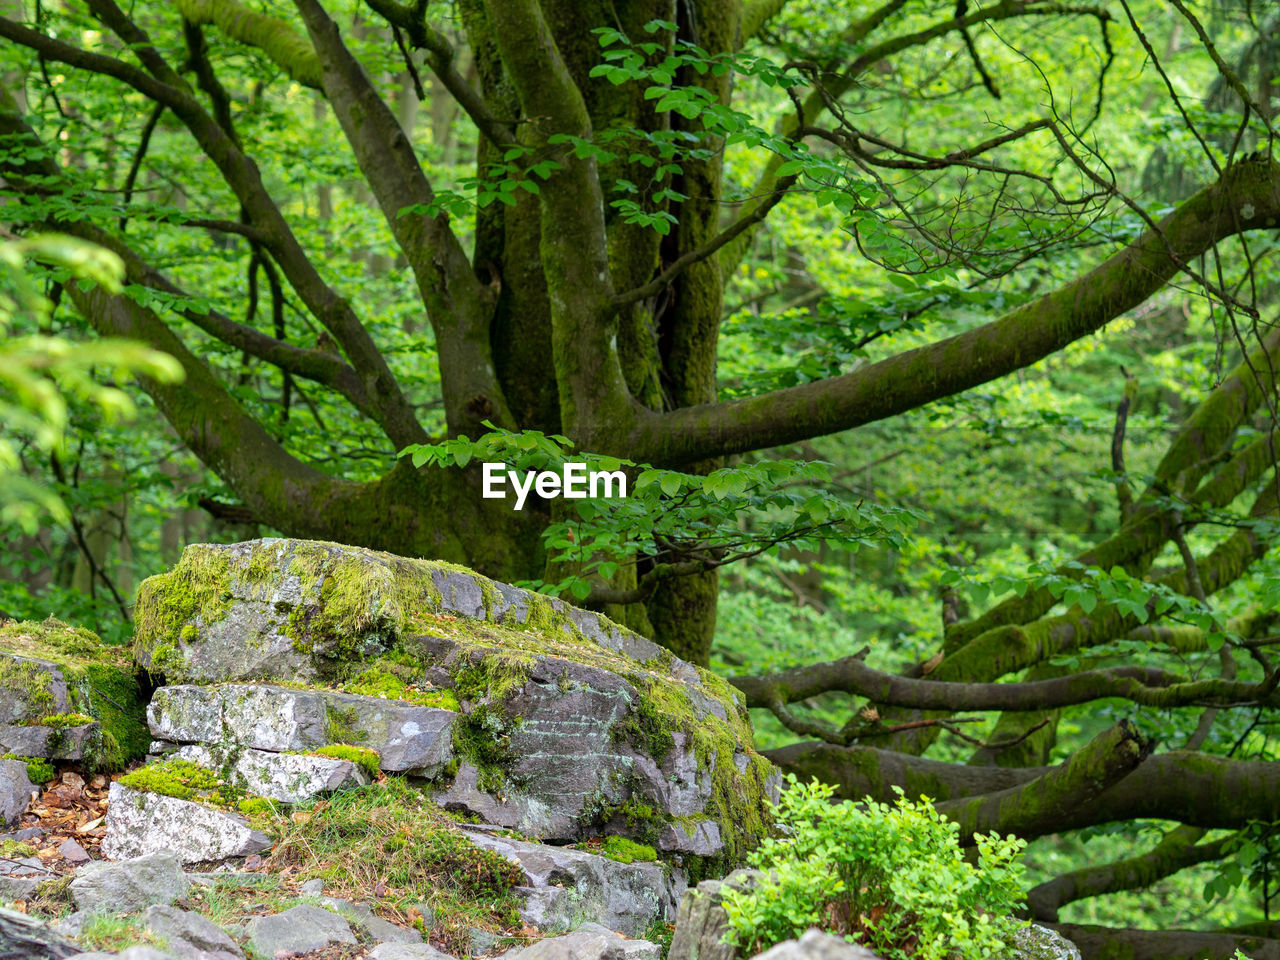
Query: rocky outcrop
[[572, 887], [64, 695], [526, 712]]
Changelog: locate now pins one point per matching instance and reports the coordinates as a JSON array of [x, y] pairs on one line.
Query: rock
[[407, 951], [480, 941], [130, 885], [187, 933], [569, 726], [23, 938], [73, 853], [573, 886], [299, 929], [817, 945], [17, 888], [370, 926], [27, 867], [631, 949], [407, 738], [49, 669], [25, 835], [287, 777], [72, 924], [1035, 942], [141, 823], [701, 921], [312, 888], [589, 942], [15, 790], [80, 742], [132, 953]]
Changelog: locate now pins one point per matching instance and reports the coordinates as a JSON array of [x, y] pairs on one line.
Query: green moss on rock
[[195, 592], [364, 758], [102, 685]]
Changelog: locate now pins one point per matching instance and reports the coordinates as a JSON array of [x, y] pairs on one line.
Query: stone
[[408, 738], [568, 723], [25, 835], [128, 886], [297, 930], [80, 742], [50, 668], [73, 853], [131, 953], [287, 777], [15, 790], [702, 922], [17, 888], [72, 924], [814, 944], [589, 942], [187, 933], [27, 867], [569, 887], [1034, 942], [481, 942], [24, 937], [369, 925], [142, 823], [407, 951], [31, 688], [312, 888]]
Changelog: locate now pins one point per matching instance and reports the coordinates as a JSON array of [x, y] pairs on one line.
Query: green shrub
[[893, 878]]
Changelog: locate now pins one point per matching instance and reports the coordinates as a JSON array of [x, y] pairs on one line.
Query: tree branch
[[1098, 942], [1021, 337], [274, 36]]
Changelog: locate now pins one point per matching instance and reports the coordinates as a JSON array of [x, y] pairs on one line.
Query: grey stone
[[17, 888], [408, 738], [17, 703], [579, 945], [28, 938], [15, 790], [26, 867], [312, 888], [131, 953], [1034, 942], [631, 949], [407, 951], [72, 924], [141, 823], [25, 835], [814, 944], [188, 933], [299, 929], [130, 885], [570, 887], [72, 852], [701, 837], [287, 777], [701, 921], [54, 743], [480, 941], [370, 926]]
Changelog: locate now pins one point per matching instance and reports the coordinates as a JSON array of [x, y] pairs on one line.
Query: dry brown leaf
[[931, 664]]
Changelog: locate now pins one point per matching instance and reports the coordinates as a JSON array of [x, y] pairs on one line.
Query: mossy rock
[[65, 680], [569, 725]]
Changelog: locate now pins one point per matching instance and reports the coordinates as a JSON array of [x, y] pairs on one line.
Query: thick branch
[[1097, 943], [1180, 848], [1144, 685], [1018, 339], [1037, 807]]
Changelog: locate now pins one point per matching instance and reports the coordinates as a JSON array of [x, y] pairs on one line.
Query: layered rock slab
[[567, 725], [141, 823]]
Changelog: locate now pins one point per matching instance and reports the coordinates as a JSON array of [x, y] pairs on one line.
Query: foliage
[[37, 370], [893, 878]]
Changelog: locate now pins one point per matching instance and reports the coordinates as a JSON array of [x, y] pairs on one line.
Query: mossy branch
[[274, 36]]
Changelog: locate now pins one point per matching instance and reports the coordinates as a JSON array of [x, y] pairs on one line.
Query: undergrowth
[[390, 837]]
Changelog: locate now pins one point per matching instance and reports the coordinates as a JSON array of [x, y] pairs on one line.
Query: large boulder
[[66, 695], [130, 885], [140, 823], [542, 717]]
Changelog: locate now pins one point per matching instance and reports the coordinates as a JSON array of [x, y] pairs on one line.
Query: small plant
[[892, 878], [106, 932], [364, 758]]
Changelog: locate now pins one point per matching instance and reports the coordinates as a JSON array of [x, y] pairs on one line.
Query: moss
[[339, 726], [253, 806], [102, 684], [364, 758], [167, 660], [16, 848], [60, 721], [483, 737], [28, 683], [186, 781], [40, 770], [627, 851], [189, 633], [197, 592], [381, 682]]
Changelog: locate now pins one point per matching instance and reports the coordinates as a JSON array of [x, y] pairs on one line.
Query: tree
[[575, 286]]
